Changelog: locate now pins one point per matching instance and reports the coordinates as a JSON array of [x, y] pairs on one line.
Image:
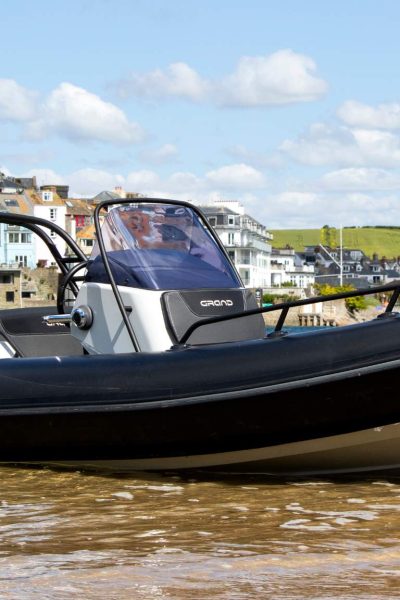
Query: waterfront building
[[289, 268], [16, 243], [247, 241], [351, 266], [21, 195], [78, 215], [85, 238], [47, 204], [10, 286]]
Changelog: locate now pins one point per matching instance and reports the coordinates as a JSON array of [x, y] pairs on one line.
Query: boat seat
[[184, 308], [26, 331]]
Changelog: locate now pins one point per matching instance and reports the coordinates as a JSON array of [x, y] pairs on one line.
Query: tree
[[328, 236], [353, 304]]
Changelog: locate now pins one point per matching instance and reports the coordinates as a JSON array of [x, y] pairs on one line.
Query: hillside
[[380, 240]]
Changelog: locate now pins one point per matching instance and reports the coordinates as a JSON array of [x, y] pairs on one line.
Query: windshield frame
[[103, 251]]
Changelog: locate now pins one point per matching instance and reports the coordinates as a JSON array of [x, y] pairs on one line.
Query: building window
[[22, 261], [231, 239], [231, 255], [7, 278], [19, 238], [212, 221], [246, 277], [231, 220], [9, 296], [53, 214], [47, 196]]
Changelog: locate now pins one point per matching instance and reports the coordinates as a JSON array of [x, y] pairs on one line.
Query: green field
[[379, 240]]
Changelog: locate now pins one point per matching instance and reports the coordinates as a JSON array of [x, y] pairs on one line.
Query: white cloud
[[16, 102], [77, 114], [142, 181], [360, 179], [378, 148], [184, 181], [165, 154], [283, 77], [324, 145], [177, 80], [310, 210], [46, 177], [179, 185], [90, 182], [256, 159], [240, 176], [292, 208], [356, 114]]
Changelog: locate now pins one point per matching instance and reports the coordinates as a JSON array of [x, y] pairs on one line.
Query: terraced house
[[21, 195]]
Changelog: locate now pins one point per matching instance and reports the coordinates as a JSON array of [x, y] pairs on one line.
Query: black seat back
[[184, 308]]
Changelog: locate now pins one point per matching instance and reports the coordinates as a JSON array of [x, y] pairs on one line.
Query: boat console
[[156, 269]]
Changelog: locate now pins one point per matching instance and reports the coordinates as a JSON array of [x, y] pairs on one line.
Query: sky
[[291, 108]]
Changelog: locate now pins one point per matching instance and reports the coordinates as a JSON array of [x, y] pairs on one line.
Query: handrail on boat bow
[[285, 306]]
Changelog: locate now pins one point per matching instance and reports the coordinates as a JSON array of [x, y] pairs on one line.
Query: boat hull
[[368, 451], [313, 403]]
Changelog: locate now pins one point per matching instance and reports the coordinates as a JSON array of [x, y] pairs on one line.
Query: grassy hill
[[381, 240]]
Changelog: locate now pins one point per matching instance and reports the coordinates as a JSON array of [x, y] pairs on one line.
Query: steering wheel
[[69, 288]]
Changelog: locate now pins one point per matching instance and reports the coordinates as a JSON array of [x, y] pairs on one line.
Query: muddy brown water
[[67, 534]]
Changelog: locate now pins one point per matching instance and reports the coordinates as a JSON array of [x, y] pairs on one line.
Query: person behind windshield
[[155, 229]]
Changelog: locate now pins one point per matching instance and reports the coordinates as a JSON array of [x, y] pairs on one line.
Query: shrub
[[353, 304], [275, 299], [268, 298]]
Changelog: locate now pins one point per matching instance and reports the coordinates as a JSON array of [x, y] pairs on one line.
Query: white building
[[247, 242], [287, 267], [18, 245], [48, 205]]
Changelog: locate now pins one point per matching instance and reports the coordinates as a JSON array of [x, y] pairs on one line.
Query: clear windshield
[[160, 247]]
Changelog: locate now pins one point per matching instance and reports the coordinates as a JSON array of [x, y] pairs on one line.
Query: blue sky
[[292, 108]]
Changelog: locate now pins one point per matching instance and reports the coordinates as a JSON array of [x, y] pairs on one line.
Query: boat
[[157, 358]]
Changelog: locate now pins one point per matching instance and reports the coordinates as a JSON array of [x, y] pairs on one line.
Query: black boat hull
[[300, 403]]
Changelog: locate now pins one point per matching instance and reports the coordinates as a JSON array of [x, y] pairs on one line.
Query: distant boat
[[162, 362]]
